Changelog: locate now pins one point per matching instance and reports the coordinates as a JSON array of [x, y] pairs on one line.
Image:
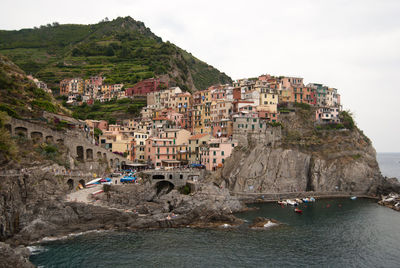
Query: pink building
[[158, 150], [213, 155]]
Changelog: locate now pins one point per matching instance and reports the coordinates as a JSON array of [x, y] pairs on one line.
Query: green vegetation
[[275, 124], [185, 190], [332, 126], [124, 108], [20, 98], [8, 149], [303, 106], [347, 118], [123, 50]]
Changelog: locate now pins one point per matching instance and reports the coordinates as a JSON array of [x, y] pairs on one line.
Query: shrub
[[275, 124], [45, 105], [347, 119], [303, 106], [5, 108]]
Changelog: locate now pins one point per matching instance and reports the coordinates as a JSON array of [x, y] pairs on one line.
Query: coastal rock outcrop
[[14, 257], [300, 159]]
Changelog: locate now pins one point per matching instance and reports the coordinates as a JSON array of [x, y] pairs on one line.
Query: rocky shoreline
[[35, 207]]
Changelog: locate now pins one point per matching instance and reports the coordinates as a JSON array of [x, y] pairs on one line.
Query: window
[[214, 160], [222, 153], [215, 152]]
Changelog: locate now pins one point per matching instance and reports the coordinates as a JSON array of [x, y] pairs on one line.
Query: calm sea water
[[334, 233], [389, 164]]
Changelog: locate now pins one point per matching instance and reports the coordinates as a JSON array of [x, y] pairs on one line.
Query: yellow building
[[268, 100]]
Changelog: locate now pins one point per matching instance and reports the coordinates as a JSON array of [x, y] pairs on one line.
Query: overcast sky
[[350, 45]]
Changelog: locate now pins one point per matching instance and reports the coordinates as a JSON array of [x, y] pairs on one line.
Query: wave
[[34, 250], [71, 235]]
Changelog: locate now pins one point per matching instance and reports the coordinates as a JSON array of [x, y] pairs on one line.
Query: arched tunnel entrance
[[70, 183], [79, 152], [158, 177], [37, 137], [21, 132], [164, 187], [82, 182]]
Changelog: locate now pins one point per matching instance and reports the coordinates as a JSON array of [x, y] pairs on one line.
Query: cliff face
[[300, 158]]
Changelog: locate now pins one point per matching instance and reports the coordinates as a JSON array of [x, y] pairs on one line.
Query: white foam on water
[[269, 224], [36, 249], [55, 238]]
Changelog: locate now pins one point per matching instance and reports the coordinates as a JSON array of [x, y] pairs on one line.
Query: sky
[[353, 46]]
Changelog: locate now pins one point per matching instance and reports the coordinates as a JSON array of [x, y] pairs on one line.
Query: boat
[[291, 202], [95, 181], [97, 192], [299, 201], [312, 199], [306, 200], [299, 211], [282, 203], [353, 197]]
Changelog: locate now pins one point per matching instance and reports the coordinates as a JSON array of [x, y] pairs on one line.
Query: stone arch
[[123, 163], [36, 136], [99, 155], [49, 139], [79, 153], [21, 131], [111, 163], [60, 141], [116, 162], [181, 176], [164, 187], [70, 184], [82, 182], [89, 154], [158, 177]]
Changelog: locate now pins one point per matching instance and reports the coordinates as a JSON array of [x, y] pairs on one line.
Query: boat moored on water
[[299, 211], [353, 197], [299, 201], [291, 202]]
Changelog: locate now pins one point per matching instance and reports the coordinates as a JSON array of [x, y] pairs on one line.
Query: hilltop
[[124, 50]]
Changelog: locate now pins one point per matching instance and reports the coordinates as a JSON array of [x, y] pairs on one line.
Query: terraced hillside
[[124, 50]]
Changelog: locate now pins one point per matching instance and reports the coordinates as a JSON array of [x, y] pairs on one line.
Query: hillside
[[20, 98], [123, 50]]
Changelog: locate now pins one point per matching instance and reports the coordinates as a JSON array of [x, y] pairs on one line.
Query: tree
[[133, 109], [110, 51]]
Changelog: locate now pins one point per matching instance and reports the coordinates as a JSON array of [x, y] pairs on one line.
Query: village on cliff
[[178, 128]]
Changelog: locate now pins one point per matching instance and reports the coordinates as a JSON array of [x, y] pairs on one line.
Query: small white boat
[[298, 200], [291, 202], [353, 197], [312, 199]]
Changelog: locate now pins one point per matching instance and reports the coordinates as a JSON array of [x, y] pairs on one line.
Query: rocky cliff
[[300, 157]]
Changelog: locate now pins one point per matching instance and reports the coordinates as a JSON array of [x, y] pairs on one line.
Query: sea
[[330, 233]]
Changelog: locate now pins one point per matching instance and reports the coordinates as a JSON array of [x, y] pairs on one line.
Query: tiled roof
[[197, 136]]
